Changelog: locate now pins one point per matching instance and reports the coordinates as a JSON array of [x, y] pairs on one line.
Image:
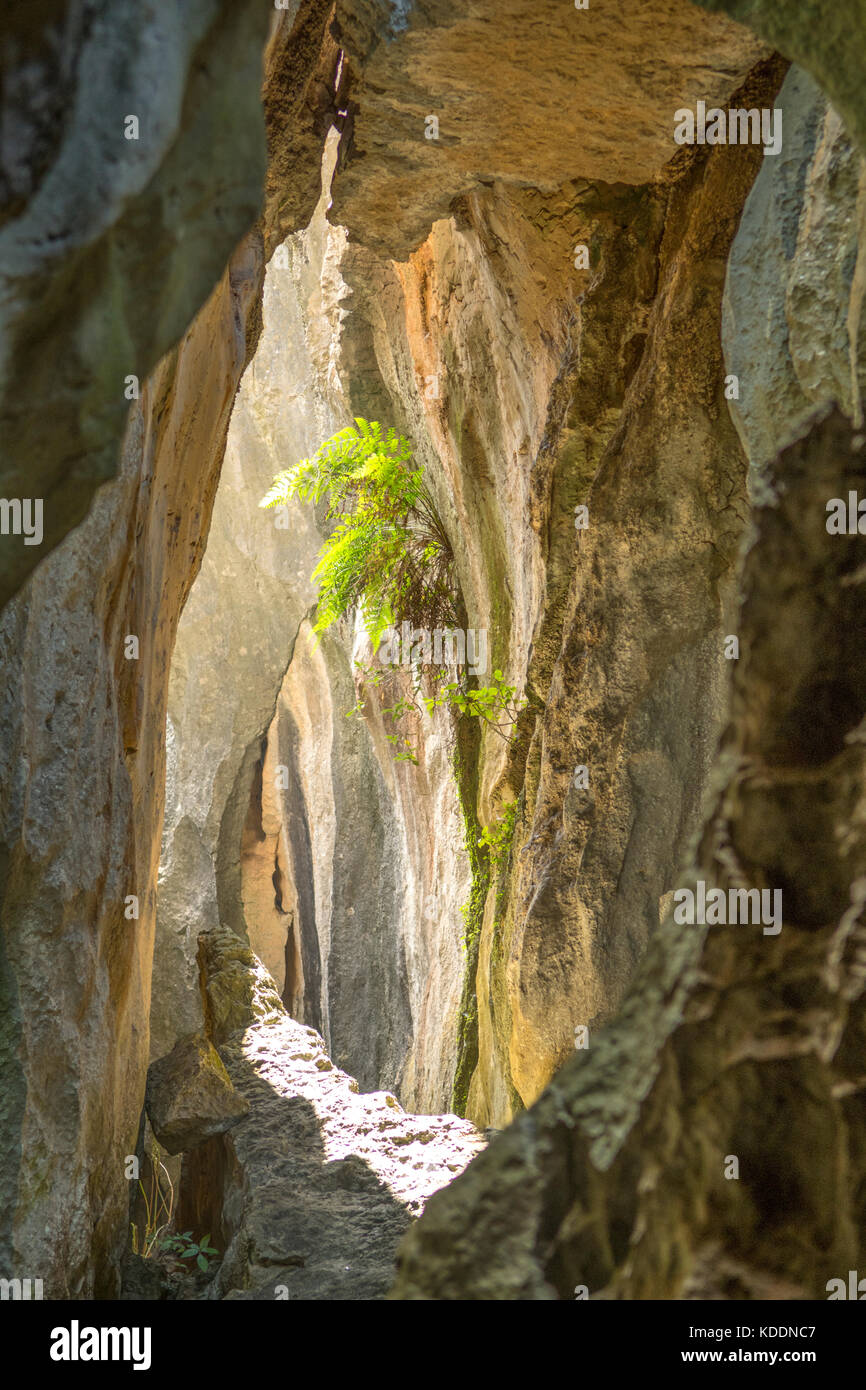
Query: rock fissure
[[250, 960]]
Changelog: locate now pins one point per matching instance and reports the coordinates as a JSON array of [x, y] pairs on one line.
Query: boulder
[[190, 1097]]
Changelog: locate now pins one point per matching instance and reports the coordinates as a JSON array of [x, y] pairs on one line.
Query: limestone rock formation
[[316, 1188], [82, 716], [829, 41], [731, 1043], [633, 384], [284, 819], [593, 394], [132, 168], [473, 360], [799, 253], [189, 1097], [235, 640], [516, 90], [82, 709]]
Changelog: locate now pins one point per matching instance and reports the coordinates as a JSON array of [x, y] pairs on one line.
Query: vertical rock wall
[[529, 387], [508, 368], [636, 691], [109, 247], [285, 820], [238, 632], [731, 1044], [559, 388], [83, 757], [730, 1041], [799, 252]]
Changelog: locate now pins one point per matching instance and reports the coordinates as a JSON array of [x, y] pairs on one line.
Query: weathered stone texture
[[82, 760], [730, 1042], [555, 387], [472, 346], [189, 1097], [636, 691], [799, 256], [453, 310], [108, 245], [236, 639], [108, 248], [328, 866], [321, 1181], [829, 41], [527, 93]]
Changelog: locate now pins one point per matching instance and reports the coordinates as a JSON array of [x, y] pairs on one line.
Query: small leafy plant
[[496, 705], [498, 836], [182, 1247], [153, 1240]]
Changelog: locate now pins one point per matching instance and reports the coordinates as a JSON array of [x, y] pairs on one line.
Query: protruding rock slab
[[522, 92], [322, 1182], [190, 1097]]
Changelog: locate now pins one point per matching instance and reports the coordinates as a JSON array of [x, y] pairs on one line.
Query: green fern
[[387, 553]]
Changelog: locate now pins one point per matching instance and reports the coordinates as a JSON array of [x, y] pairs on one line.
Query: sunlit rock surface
[[321, 1181], [285, 819], [108, 249], [554, 387], [235, 641], [508, 368], [732, 1043], [529, 386], [82, 727], [524, 93]]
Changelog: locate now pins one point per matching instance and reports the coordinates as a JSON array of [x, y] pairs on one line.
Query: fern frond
[[389, 553]]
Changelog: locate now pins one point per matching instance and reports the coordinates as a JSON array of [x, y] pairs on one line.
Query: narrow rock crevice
[[276, 944]]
